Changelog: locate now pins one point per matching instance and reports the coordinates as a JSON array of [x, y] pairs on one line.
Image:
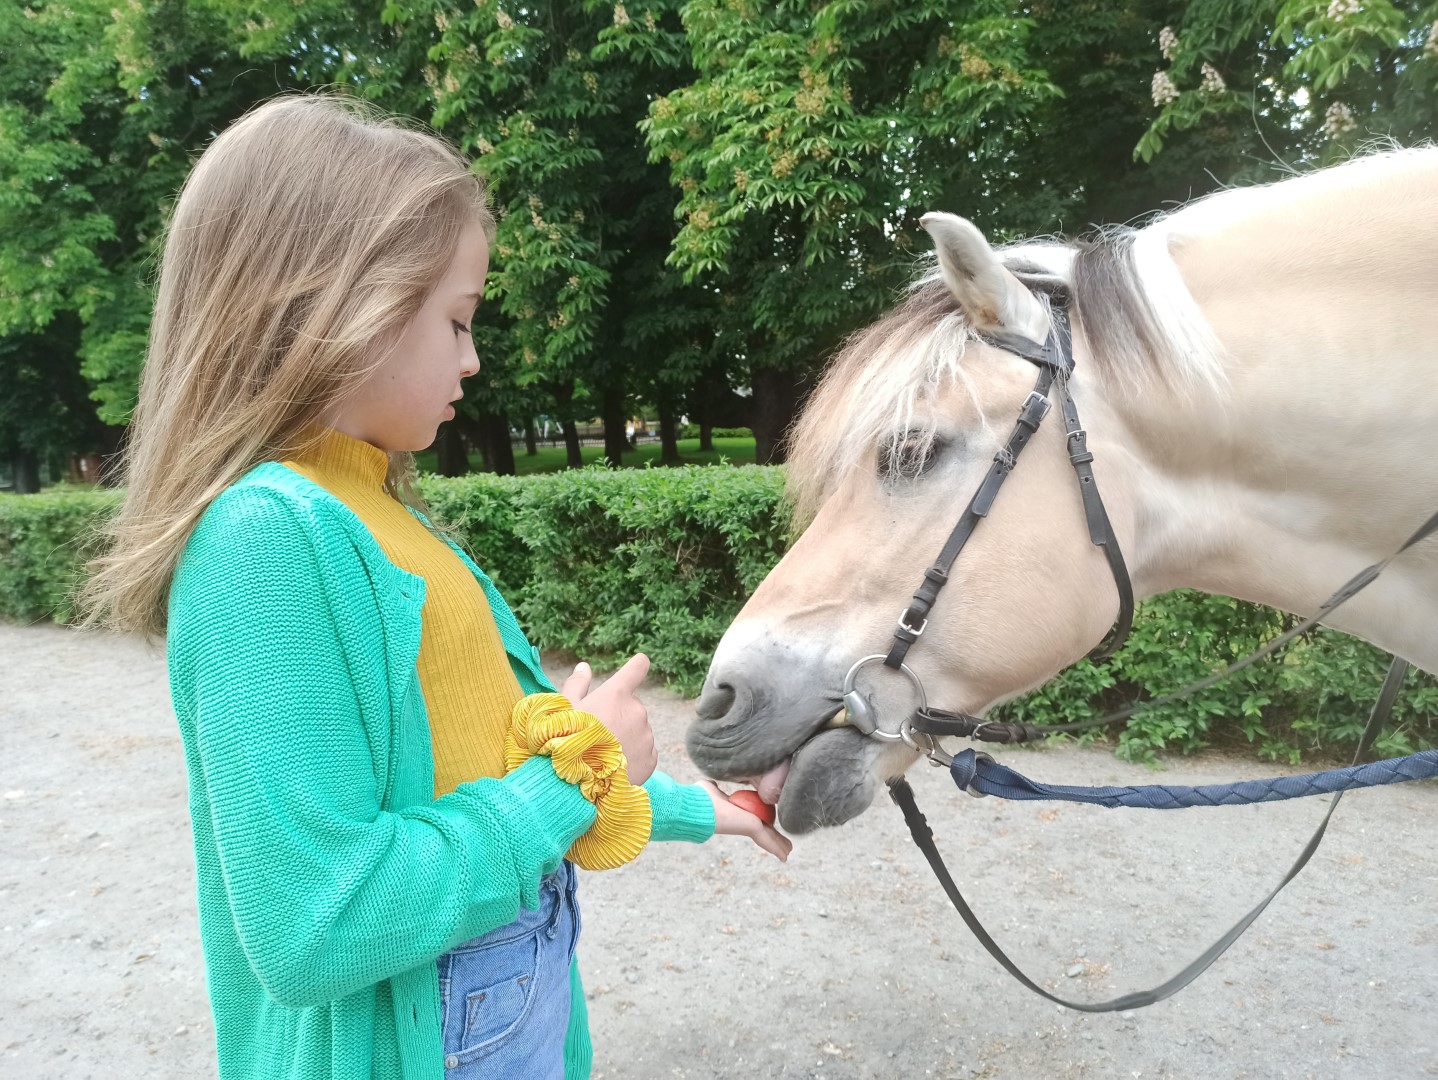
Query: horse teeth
[[838, 720]]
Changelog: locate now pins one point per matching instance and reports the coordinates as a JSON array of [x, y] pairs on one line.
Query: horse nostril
[[716, 700]]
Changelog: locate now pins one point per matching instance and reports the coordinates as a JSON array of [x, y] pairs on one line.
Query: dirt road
[[715, 961]]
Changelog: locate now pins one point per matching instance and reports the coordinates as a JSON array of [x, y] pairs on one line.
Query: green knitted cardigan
[[330, 877]]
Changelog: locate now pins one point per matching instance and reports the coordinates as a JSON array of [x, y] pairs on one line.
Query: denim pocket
[[491, 988], [505, 994]]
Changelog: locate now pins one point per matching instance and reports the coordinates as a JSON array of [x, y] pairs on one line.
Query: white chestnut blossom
[[1163, 89], [1212, 81], [1167, 42], [1338, 120]]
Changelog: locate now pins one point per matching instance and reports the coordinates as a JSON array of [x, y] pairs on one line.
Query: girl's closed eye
[[460, 327]]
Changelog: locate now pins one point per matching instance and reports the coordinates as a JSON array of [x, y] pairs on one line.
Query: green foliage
[[1312, 78], [102, 108], [546, 97], [691, 431], [604, 563], [44, 541], [657, 561], [1313, 698], [810, 141]]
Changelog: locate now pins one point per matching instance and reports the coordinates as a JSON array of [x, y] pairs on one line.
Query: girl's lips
[[449, 412]]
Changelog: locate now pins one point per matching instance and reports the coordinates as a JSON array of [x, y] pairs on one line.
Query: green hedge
[[44, 540], [657, 560], [604, 563], [693, 431], [1313, 697]]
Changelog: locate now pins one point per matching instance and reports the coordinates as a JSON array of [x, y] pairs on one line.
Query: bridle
[[1054, 359], [921, 730]]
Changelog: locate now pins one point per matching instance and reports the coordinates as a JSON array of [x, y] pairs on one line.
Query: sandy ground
[[716, 961]]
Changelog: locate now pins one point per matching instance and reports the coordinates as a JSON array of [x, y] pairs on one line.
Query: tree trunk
[[450, 452], [531, 439], [573, 458], [615, 442], [777, 396], [477, 434], [499, 457], [706, 436], [25, 467], [668, 436], [564, 396]]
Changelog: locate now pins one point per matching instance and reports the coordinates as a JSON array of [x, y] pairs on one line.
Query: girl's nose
[[469, 362]]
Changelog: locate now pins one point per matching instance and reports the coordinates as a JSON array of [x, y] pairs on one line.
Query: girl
[[383, 789]]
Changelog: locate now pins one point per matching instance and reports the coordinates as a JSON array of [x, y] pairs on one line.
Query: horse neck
[[1314, 458]]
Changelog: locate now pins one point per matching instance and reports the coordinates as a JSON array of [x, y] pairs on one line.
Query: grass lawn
[[551, 458]]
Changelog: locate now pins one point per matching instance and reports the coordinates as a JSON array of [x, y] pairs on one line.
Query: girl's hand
[[731, 820], [619, 710]]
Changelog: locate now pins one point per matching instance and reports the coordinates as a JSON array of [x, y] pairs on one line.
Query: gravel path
[[715, 961]]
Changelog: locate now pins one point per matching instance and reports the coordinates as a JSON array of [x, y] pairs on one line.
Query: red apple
[[750, 801]]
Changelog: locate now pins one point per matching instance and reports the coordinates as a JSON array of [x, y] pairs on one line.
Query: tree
[[807, 147], [51, 231], [1315, 78], [547, 98], [45, 410]]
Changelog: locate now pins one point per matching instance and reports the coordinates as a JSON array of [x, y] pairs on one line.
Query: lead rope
[[903, 795]]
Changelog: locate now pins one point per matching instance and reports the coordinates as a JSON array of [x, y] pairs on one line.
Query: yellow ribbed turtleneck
[[469, 689]]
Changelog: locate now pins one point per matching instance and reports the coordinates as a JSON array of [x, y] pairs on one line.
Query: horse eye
[[907, 456]]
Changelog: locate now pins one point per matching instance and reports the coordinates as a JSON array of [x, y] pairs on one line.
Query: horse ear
[[990, 295]]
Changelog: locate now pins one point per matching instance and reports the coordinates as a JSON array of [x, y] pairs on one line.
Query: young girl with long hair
[[387, 797]]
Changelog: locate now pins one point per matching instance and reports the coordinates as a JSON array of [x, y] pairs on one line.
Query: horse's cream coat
[[1278, 433]]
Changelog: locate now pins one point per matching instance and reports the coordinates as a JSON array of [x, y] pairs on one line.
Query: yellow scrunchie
[[587, 754]]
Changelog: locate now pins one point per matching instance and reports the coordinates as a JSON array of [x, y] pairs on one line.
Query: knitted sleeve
[[329, 891], [680, 811]]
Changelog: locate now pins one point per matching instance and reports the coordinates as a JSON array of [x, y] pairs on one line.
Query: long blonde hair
[[304, 240]]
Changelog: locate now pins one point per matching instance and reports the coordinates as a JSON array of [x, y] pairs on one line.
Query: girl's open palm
[[732, 820]]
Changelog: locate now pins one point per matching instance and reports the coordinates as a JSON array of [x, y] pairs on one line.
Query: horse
[[1257, 372]]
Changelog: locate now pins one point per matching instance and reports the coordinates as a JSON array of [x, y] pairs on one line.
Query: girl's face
[[402, 402]]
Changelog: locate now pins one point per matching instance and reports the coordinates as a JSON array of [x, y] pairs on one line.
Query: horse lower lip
[[771, 785]]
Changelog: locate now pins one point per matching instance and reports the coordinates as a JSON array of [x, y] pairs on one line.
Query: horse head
[[899, 434], [1221, 356]]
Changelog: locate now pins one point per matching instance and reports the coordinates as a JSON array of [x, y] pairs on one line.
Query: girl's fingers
[[576, 687], [627, 679], [731, 820], [773, 841]]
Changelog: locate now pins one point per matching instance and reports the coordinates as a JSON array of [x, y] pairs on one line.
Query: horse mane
[[1142, 325]]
